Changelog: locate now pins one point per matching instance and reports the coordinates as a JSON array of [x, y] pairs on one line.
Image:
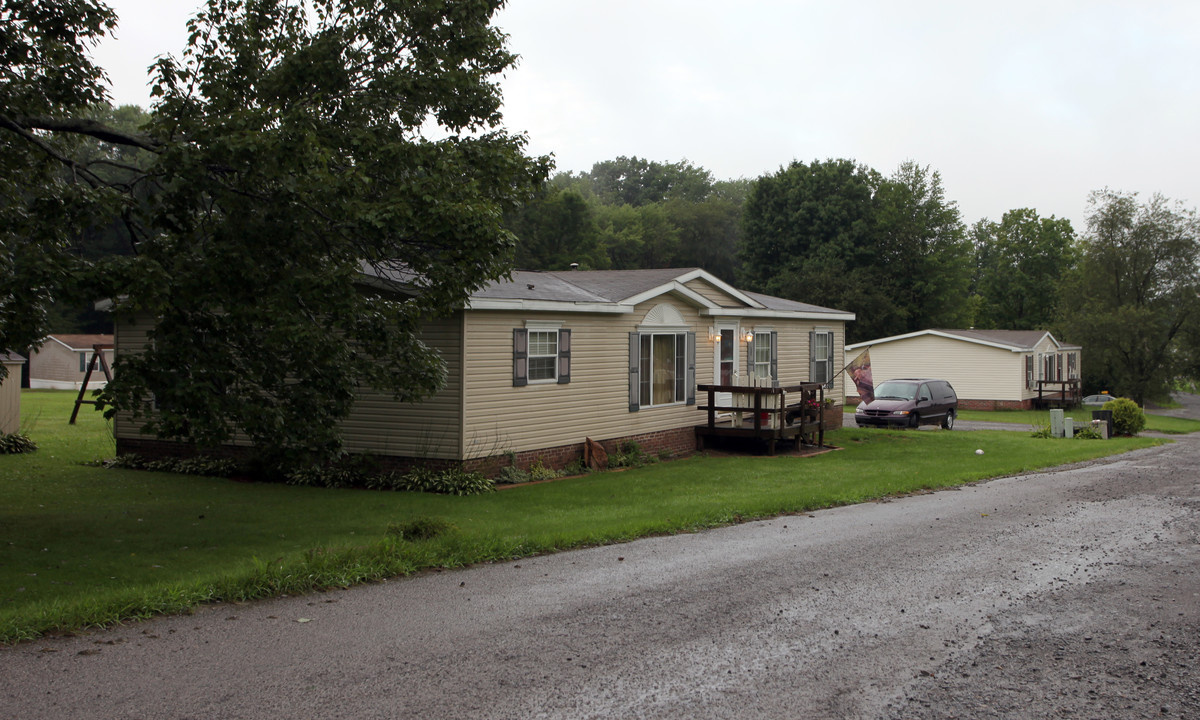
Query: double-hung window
[[541, 355], [820, 360], [761, 361]]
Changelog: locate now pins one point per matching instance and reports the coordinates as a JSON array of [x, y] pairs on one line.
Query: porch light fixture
[[749, 334]]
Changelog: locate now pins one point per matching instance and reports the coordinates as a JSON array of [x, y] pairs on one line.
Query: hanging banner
[[860, 373]]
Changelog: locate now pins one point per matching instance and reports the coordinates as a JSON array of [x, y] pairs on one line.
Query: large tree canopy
[[631, 213], [1019, 265], [892, 250], [1134, 293], [290, 143]]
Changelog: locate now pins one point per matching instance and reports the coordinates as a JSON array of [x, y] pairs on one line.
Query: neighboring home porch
[[989, 369]]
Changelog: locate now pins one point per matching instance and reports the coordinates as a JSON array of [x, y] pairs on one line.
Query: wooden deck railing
[[776, 413], [1058, 393]]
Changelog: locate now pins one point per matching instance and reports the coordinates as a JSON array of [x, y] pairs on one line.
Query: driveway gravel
[[1071, 593]]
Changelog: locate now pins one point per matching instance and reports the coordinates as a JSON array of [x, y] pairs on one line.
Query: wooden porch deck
[[771, 414], [1058, 394]]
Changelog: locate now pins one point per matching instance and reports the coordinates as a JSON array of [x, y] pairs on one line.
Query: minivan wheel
[[914, 421], [948, 423]]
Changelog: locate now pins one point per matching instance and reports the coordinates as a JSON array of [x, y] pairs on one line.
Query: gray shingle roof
[[1021, 339], [580, 285], [774, 303]]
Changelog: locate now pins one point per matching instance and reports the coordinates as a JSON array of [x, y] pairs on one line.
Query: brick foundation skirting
[[853, 400], [995, 404], [671, 443]]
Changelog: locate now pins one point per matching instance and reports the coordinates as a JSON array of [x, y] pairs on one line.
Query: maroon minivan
[[909, 402]]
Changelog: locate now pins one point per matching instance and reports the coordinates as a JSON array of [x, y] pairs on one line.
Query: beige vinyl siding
[[977, 372], [377, 424], [431, 428], [712, 293], [10, 399], [129, 337], [595, 404], [794, 349]]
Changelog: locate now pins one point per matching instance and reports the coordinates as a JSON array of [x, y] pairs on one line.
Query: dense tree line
[[633, 213], [895, 250]]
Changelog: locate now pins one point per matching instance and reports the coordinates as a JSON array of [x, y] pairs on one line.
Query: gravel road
[[1073, 593]]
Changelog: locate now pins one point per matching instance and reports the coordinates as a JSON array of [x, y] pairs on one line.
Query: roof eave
[[526, 305], [783, 314]]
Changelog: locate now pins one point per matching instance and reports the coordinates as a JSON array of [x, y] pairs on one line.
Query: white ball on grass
[[979, 452]]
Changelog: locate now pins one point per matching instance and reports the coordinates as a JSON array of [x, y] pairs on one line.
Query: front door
[[725, 362]]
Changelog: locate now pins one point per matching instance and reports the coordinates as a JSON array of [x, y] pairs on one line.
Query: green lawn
[[1154, 423], [82, 546]]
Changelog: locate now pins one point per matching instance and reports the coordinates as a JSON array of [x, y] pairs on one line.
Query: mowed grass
[[84, 546], [1154, 423]]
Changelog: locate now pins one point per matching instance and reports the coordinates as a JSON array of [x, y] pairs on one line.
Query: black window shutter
[[634, 365], [691, 368], [564, 357], [680, 366], [520, 357], [774, 359]]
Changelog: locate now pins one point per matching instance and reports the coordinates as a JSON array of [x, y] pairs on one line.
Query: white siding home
[[989, 369], [541, 362]]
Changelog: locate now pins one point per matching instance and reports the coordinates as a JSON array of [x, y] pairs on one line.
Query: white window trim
[[553, 379], [754, 363], [829, 374], [650, 332]]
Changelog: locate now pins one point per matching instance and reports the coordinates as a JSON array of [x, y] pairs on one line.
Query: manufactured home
[[541, 362], [989, 369]]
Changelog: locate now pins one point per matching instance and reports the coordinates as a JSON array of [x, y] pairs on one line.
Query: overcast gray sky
[[1016, 104]]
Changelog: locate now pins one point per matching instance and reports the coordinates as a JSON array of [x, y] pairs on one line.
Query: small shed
[[989, 369], [10, 393]]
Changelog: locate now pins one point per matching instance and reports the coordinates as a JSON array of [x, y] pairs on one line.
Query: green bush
[[419, 528], [16, 443], [511, 475], [1041, 430], [1087, 432], [451, 481], [1128, 418], [539, 471], [200, 465], [629, 454]]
